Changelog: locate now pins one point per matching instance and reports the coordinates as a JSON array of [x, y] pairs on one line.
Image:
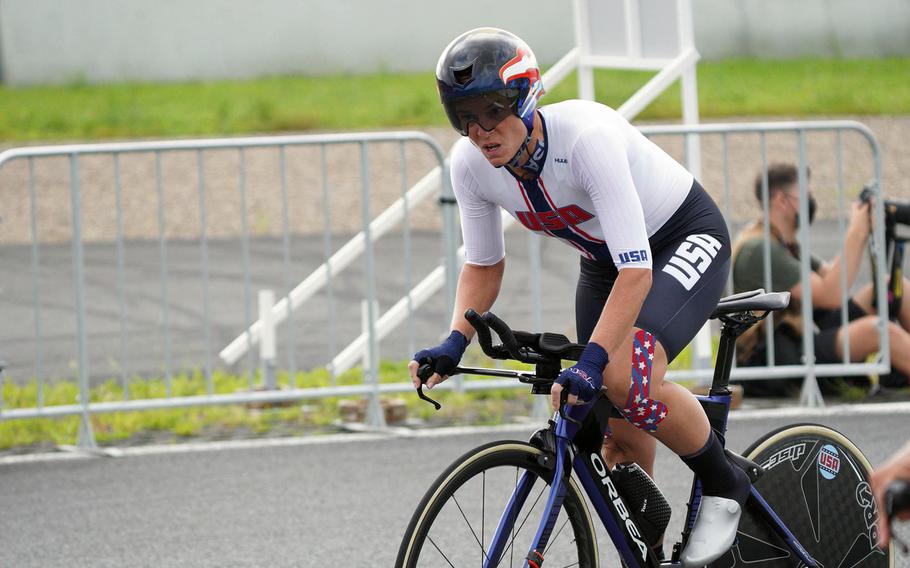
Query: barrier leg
[[375, 417], [267, 339]]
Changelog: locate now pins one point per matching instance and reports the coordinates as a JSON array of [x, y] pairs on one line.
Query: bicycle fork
[[502, 537], [597, 482]]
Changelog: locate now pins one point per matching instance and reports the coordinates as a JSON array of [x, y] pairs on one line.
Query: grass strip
[[735, 87], [231, 421]]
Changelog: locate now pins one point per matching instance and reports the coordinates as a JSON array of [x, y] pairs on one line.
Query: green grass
[[304, 417], [212, 422], [802, 87]]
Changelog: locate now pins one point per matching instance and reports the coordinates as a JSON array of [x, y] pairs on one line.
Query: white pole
[[375, 417], [583, 43], [267, 348], [689, 85], [633, 28], [689, 93]]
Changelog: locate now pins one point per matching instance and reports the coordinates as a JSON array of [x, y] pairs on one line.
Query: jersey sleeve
[[601, 168], [481, 220]]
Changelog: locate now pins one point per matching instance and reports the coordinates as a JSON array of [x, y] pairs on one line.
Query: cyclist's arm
[[484, 245], [478, 287], [622, 307], [601, 167], [826, 288], [480, 278]]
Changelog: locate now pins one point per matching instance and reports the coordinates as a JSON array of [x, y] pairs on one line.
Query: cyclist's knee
[[640, 406]]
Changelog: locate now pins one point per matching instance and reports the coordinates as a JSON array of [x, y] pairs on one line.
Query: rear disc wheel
[[817, 481]]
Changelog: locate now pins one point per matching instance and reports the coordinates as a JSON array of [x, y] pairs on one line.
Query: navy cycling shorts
[[691, 263]]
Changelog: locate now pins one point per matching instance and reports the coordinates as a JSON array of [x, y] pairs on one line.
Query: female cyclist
[[654, 254]]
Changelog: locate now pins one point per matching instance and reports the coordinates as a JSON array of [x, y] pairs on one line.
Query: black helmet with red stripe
[[485, 75]]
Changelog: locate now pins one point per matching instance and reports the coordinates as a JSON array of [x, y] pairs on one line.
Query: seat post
[[724, 362]]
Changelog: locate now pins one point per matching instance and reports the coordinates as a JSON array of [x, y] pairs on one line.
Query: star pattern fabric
[[642, 411]]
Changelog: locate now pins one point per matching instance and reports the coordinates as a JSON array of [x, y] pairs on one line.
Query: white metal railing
[[94, 296], [376, 325]]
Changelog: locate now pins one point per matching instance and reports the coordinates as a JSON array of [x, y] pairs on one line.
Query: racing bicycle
[[514, 503]]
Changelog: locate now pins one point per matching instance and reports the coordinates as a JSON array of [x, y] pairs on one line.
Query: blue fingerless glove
[[445, 357], [585, 377]]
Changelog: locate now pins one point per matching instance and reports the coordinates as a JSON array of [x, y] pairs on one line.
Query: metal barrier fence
[[191, 253], [168, 250], [844, 157], [829, 161]]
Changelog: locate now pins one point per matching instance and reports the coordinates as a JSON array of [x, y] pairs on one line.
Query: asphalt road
[[335, 501]]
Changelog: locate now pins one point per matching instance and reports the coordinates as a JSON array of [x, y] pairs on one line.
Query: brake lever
[[424, 372], [563, 401]]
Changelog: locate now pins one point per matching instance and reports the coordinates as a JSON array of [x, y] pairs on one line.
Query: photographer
[[825, 280]]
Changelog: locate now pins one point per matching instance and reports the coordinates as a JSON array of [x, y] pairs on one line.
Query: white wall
[[793, 28], [113, 40], [54, 41]]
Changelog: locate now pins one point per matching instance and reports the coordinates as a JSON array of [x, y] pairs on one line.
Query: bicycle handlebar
[[546, 350], [483, 333], [505, 334]]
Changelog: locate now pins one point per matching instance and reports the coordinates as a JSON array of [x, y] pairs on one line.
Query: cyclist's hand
[[443, 358], [898, 467], [583, 379], [860, 219]]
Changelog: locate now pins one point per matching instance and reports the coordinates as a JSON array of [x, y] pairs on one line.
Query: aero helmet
[[485, 75]]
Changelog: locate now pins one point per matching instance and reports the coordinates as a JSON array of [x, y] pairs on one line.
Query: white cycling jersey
[[603, 188]]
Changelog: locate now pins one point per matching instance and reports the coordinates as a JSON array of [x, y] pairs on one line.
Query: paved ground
[[317, 502]]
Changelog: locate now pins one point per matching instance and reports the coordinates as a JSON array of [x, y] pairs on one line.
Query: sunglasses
[[487, 110]]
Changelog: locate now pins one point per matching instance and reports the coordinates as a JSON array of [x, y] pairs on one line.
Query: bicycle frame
[[896, 213], [596, 479], [895, 285]]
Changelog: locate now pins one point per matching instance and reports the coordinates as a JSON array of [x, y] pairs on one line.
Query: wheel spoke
[[555, 536], [470, 526], [441, 553]]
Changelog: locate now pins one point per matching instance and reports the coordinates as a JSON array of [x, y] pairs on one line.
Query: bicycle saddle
[[754, 300]]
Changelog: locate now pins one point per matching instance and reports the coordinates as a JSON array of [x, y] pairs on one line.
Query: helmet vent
[[463, 75]]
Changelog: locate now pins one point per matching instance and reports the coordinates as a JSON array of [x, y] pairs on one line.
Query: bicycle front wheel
[[817, 481], [456, 520]]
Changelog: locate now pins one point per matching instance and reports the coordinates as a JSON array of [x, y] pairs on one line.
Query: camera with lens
[[896, 211]]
